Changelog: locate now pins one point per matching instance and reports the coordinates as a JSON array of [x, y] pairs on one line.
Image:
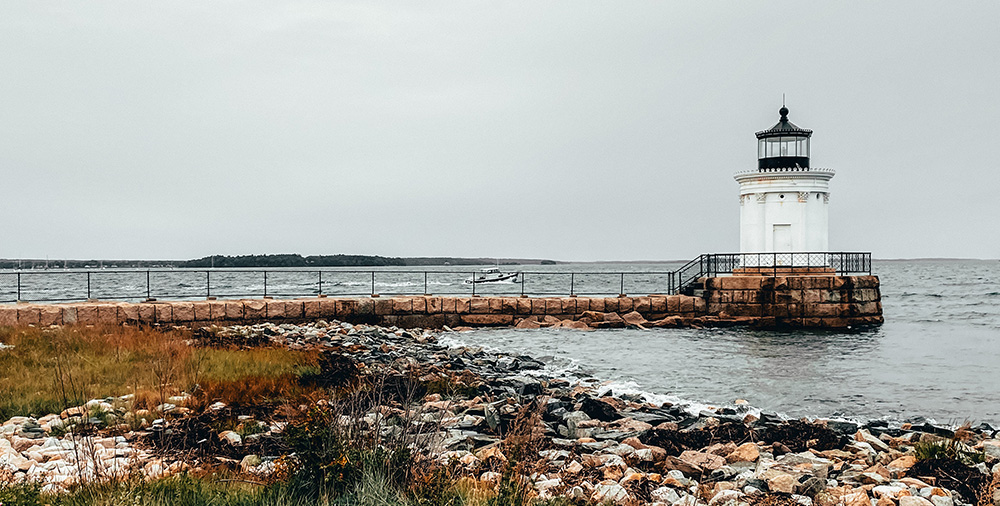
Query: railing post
[[88, 285], [425, 282], [621, 290], [147, 285], [265, 284], [473, 284], [19, 285], [208, 284], [321, 282], [373, 283], [522, 284], [572, 279]]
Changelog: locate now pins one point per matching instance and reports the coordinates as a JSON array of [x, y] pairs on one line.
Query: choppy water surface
[[937, 356]]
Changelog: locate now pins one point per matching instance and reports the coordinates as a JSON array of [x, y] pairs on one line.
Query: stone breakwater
[[409, 311], [620, 449], [775, 301]]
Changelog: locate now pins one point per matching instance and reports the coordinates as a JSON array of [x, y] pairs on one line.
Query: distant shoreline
[[270, 261], [295, 260]]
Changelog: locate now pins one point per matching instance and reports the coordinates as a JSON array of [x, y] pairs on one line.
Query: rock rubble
[[619, 450]]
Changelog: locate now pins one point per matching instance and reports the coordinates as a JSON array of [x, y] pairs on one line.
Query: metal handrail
[[772, 263], [676, 281]]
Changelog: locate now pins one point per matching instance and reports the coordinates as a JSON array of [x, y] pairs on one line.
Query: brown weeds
[[50, 369]]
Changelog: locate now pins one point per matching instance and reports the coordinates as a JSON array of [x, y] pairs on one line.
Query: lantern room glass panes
[[771, 147]]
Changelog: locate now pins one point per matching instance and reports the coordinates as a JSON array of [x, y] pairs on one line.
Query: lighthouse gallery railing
[[772, 264]]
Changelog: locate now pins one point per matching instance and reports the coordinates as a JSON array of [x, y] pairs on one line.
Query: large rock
[[668, 322], [599, 409], [634, 319], [573, 324], [610, 321], [782, 482], [912, 500], [702, 459], [866, 437], [725, 496], [904, 462], [230, 437], [548, 320], [858, 498], [665, 495], [746, 452], [887, 491], [671, 463], [573, 420], [528, 323], [249, 462], [609, 491]]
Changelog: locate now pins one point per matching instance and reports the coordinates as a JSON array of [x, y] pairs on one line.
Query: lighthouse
[[784, 202]]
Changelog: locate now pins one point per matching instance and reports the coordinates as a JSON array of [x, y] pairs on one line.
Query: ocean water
[[937, 357]]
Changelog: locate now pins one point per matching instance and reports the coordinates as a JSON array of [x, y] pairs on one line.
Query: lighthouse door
[[782, 238]]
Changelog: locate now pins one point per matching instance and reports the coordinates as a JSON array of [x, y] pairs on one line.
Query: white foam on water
[[556, 370], [450, 340], [570, 368], [632, 389]]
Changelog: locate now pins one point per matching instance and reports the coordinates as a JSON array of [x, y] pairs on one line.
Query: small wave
[[631, 388], [916, 294]]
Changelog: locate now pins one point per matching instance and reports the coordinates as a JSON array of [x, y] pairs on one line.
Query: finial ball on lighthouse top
[[784, 113]]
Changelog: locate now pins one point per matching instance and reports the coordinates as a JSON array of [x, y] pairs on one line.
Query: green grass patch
[[948, 449]]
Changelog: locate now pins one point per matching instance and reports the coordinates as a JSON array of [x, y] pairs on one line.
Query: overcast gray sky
[[567, 130]]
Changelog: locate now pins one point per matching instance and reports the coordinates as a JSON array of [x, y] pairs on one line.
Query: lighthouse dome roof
[[784, 128]]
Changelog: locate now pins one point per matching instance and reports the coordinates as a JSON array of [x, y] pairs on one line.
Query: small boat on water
[[490, 275]]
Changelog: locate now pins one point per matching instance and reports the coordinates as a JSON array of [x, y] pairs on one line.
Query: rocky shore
[[470, 403]]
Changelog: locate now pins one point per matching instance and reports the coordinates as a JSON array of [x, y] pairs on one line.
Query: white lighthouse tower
[[783, 204]]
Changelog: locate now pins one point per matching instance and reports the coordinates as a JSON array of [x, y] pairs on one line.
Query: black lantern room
[[783, 146]]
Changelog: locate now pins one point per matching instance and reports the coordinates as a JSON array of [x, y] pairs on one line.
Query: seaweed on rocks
[[796, 435], [799, 436], [675, 441], [968, 481]]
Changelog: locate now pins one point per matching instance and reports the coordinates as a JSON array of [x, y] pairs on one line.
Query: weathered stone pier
[[803, 301]]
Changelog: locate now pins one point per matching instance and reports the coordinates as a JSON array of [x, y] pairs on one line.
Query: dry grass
[[48, 370]]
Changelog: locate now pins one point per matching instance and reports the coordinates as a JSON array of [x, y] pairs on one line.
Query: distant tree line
[[35, 263], [292, 260], [283, 260]]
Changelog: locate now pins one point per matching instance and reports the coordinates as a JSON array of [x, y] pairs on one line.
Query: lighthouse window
[[782, 195], [782, 146], [817, 196]]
